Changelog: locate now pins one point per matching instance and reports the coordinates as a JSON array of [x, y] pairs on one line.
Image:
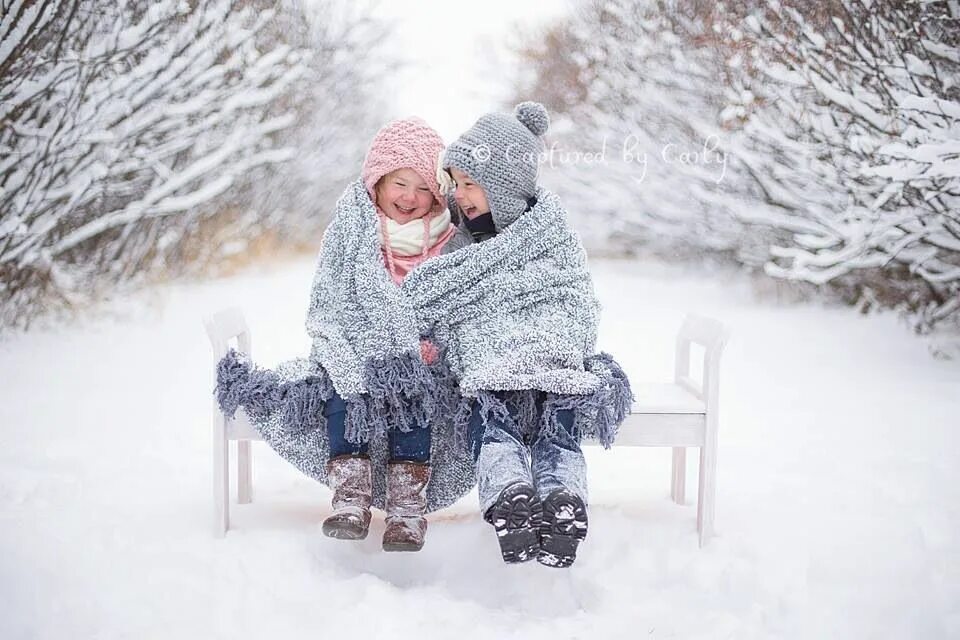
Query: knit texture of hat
[[501, 152], [406, 143]]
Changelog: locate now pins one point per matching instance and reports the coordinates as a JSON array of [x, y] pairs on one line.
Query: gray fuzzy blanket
[[366, 346], [515, 313], [285, 406], [518, 313]]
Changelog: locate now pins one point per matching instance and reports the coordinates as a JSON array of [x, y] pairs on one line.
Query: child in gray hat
[[531, 408]]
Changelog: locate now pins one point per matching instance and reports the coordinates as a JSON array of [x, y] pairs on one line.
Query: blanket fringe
[[596, 415], [602, 412], [232, 373], [398, 388], [358, 426], [403, 393], [261, 393], [303, 403]]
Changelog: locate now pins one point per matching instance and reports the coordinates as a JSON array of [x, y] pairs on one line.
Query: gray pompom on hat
[[501, 152]]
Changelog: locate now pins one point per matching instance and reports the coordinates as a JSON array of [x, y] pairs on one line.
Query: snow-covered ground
[[838, 500]]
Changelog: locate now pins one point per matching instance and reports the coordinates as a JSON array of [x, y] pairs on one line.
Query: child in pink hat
[[400, 174]]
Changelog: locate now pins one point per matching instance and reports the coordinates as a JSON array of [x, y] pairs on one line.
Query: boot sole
[[564, 525], [345, 529], [396, 546], [516, 518], [344, 533]]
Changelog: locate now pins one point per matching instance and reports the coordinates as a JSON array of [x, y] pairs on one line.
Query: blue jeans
[[504, 455], [404, 446]]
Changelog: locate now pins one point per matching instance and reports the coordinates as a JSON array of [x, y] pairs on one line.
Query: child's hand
[[428, 351]]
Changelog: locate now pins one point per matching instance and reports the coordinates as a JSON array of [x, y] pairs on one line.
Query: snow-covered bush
[[863, 110], [336, 108], [638, 149], [133, 133], [822, 138]]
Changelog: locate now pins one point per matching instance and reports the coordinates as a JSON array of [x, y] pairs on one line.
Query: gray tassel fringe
[[261, 393], [596, 415], [403, 394]]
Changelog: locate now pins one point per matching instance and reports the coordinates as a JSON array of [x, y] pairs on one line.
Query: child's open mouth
[[405, 210]]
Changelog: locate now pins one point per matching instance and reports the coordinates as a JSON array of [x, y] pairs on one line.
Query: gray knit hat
[[502, 153]]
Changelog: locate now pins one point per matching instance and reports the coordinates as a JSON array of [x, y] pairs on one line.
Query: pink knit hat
[[407, 143]]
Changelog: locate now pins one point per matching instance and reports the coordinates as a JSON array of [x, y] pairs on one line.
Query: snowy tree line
[[141, 139], [817, 140]]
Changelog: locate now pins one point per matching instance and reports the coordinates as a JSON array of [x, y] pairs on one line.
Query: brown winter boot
[[350, 478], [406, 506]]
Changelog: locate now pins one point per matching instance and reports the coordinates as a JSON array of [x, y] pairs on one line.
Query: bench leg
[[678, 478], [707, 493], [244, 473], [221, 475]]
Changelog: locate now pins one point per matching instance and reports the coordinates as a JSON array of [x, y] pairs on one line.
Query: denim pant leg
[[499, 454], [335, 411], [410, 446], [558, 462]]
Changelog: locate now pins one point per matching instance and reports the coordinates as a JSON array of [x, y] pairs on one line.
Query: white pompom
[[444, 179]]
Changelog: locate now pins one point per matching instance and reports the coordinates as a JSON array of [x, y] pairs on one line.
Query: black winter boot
[[516, 517], [564, 525]]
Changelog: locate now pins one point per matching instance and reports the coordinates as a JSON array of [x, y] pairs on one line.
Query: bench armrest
[[224, 326], [712, 336]]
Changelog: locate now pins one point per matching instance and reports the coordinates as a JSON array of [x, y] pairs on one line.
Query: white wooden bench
[[679, 414]]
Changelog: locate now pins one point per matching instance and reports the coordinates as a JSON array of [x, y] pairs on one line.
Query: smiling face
[[469, 195], [403, 195]]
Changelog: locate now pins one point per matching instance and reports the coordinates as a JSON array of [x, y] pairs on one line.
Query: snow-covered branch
[[822, 139], [128, 128], [883, 123]]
